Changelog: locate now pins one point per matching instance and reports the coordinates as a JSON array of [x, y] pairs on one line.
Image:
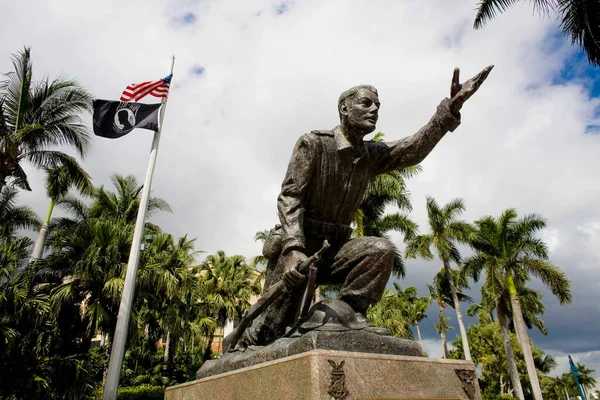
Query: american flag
[[137, 91]]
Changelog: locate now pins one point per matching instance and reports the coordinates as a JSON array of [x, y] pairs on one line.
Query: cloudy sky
[[251, 77]]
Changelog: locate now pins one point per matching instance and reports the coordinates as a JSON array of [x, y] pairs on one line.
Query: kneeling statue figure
[[324, 186]]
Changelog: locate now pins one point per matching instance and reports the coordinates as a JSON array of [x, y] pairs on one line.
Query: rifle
[[272, 294], [308, 298]]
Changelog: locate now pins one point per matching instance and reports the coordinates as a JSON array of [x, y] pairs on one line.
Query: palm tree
[[59, 180], [417, 313], [388, 189], [227, 285], [486, 341], [91, 250], [513, 372], [531, 305], [440, 299], [391, 313], [167, 292], [494, 298], [545, 363], [446, 231], [14, 287], [260, 260], [36, 118], [586, 378], [40, 358], [509, 253], [416, 306], [13, 217], [91, 257], [442, 328], [580, 20], [440, 292], [261, 236], [124, 203], [556, 388]]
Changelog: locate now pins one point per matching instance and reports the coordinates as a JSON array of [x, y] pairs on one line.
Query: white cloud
[[433, 348], [588, 358], [269, 78]]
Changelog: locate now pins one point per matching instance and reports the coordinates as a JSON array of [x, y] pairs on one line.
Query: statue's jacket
[[327, 178]]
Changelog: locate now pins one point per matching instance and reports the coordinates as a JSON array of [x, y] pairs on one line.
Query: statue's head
[[359, 109]]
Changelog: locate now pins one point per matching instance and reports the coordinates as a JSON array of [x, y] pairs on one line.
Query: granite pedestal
[[308, 368], [310, 376]]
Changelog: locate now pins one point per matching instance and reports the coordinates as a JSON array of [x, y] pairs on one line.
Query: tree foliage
[[579, 20], [36, 119]]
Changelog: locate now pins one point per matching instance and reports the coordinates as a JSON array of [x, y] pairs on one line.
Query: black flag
[[113, 119]]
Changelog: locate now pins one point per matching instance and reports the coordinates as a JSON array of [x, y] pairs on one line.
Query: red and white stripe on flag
[[137, 91]]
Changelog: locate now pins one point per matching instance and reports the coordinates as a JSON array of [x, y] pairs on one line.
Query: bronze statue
[[324, 185]]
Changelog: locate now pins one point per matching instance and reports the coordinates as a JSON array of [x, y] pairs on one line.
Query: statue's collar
[[343, 144]]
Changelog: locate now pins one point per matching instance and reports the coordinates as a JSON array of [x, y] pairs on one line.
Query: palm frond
[[420, 246], [19, 178], [61, 178], [551, 276], [581, 21], [261, 235], [487, 9], [18, 88], [399, 223], [13, 217]]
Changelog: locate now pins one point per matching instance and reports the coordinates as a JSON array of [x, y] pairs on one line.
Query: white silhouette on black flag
[[113, 119]]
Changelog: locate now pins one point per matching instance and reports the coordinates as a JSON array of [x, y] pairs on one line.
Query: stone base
[[330, 374], [353, 340]]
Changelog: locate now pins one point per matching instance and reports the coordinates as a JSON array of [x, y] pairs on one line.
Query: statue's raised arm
[[459, 93], [413, 149]]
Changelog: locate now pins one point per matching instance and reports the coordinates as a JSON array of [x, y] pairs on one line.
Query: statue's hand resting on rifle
[[459, 93], [291, 276]]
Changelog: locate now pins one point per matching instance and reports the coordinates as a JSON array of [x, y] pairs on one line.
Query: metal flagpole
[[120, 338], [576, 374]]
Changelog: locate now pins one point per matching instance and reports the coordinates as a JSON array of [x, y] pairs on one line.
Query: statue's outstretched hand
[[459, 93]]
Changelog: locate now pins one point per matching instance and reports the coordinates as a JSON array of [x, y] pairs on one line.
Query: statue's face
[[362, 111]]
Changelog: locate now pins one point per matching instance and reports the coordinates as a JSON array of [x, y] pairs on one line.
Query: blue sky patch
[[189, 18], [578, 69], [282, 8], [198, 70]]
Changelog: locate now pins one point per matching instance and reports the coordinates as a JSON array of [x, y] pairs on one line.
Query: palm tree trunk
[[521, 331], [513, 373], [171, 348], [208, 350], [443, 331], [461, 325], [2, 181], [166, 355], [40, 242], [444, 343], [419, 334]]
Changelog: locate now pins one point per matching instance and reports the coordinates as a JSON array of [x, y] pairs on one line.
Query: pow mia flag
[[113, 119]]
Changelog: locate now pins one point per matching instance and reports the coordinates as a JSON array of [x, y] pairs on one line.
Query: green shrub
[[491, 394], [142, 392]]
